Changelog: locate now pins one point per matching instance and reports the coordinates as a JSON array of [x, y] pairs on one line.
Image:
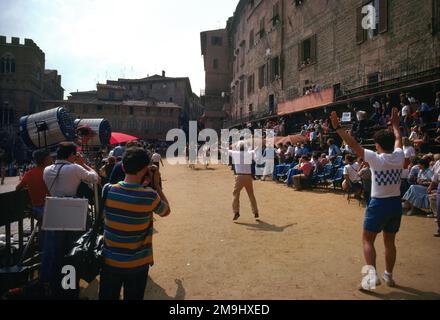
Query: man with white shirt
[[384, 212], [242, 160], [62, 180]]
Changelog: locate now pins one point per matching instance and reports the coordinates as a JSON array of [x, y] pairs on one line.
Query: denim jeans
[[111, 284]]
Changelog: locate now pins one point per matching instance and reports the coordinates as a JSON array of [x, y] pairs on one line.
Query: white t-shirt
[[410, 152], [291, 151], [69, 178], [386, 173], [352, 173], [242, 161]]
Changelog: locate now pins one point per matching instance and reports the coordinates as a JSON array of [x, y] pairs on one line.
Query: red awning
[[314, 100], [118, 137]]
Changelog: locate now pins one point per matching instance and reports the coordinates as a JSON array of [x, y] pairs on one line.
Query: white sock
[[388, 274]]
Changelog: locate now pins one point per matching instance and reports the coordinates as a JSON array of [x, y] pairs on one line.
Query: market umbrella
[[118, 137]]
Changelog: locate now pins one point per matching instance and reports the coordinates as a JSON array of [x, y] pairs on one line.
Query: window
[[262, 76], [243, 53], [215, 64], [251, 84], [373, 79], [251, 108], [307, 52], [252, 3], [85, 109], [171, 99], [435, 16], [272, 104], [262, 31], [381, 20], [241, 89], [131, 110], [7, 64], [276, 14], [99, 108], [117, 109], [251, 39], [217, 41], [275, 69]]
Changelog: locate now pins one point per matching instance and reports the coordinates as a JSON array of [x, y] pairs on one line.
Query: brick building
[[215, 47], [24, 81], [293, 56], [148, 118], [166, 89]]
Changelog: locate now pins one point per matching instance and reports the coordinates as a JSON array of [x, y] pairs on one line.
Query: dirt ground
[[307, 245]]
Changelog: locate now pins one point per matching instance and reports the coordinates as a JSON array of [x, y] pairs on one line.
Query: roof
[[128, 103], [108, 86]]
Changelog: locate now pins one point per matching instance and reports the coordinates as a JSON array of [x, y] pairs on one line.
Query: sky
[[91, 41]]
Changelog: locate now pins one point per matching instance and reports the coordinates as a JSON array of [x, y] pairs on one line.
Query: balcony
[[404, 74]]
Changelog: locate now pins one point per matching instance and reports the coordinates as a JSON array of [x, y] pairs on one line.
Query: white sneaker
[[389, 280], [368, 284]]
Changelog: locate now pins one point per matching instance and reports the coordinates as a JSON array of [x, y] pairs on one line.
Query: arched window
[[7, 63]]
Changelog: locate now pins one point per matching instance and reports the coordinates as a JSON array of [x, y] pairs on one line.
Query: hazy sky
[[90, 41]]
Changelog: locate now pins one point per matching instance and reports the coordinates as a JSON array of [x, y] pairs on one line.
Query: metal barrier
[[15, 207]]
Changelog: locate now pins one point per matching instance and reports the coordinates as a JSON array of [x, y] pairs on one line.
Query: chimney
[[163, 73]]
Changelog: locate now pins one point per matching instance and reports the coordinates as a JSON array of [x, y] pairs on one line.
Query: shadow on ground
[[153, 291], [405, 293], [264, 226], [156, 292]]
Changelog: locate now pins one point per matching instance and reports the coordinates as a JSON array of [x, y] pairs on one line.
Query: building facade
[[293, 56], [166, 89], [216, 49], [148, 119], [24, 82]]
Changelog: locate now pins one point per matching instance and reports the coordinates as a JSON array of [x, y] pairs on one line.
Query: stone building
[[166, 89], [148, 118], [24, 81], [215, 47], [293, 56]]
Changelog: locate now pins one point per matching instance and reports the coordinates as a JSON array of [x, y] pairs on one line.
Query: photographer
[[62, 180], [128, 229]]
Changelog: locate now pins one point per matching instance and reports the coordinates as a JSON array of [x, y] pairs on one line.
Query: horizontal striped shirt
[[128, 231]]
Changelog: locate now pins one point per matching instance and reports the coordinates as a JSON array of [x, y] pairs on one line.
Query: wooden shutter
[[313, 48], [360, 32], [383, 18]]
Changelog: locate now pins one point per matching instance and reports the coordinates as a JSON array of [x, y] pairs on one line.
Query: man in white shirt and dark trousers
[[384, 213], [62, 180], [242, 160]]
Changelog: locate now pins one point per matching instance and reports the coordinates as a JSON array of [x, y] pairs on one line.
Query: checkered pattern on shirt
[[388, 177]]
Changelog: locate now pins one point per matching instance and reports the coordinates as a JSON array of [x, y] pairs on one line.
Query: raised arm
[[395, 122], [349, 140]]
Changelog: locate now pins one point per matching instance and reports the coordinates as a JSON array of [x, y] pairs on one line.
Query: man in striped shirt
[[128, 232]]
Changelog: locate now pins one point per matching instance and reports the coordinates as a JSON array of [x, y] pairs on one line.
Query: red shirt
[[34, 182], [307, 168]]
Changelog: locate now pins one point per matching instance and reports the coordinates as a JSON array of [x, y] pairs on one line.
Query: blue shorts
[[383, 215]]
